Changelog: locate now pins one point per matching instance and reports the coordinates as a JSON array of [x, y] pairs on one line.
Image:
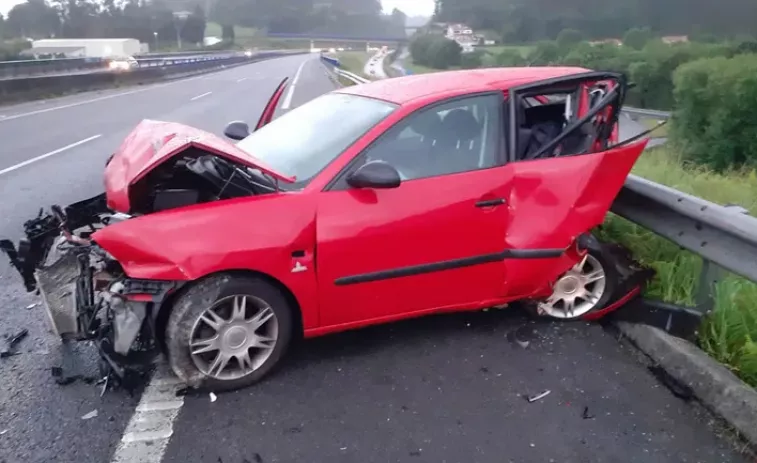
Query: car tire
[[599, 256], [213, 293]]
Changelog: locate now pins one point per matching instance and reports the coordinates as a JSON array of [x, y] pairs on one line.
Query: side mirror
[[374, 174], [237, 130]]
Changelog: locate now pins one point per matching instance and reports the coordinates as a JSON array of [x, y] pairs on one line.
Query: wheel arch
[[164, 309]]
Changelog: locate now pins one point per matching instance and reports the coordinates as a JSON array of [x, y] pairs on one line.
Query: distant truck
[[88, 48]]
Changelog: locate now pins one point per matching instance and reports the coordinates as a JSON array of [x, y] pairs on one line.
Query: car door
[[433, 242], [558, 195], [270, 108]]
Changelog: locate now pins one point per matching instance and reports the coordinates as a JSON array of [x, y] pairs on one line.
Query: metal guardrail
[[31, 68], [26, 88], [724, 236], [638, 112]]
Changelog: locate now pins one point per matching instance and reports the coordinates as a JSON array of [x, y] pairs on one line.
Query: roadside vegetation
[[730, 333], [711, 89], [354, 61]]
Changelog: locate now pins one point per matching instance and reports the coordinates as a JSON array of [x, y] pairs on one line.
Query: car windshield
[[304, 141]]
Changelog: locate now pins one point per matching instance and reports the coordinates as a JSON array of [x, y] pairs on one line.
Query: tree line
[[141, 19], [146, 21], [711, 87], [533, 20]]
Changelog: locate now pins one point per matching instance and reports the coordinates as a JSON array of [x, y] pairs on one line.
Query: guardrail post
[[711, 274], [708, 279]]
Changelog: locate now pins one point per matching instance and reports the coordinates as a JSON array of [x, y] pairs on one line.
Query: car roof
[[402, 90]]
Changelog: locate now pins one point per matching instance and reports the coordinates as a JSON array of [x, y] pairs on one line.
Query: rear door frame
[[517, 94]]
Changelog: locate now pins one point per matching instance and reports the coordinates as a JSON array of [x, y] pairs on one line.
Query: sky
[[409, 7], [6, 5]]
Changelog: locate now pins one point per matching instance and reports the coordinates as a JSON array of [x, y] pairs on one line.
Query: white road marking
[[149, 430], [95, 100], [242, 79], [200, 96], [290, 92], [47, 155]]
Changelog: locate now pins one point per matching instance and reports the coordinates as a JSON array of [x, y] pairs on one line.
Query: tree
[[567, 38], [637, 38], [194, 27], [33, 19]]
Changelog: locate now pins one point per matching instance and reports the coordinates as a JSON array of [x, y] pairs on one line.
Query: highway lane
[[40, 421]]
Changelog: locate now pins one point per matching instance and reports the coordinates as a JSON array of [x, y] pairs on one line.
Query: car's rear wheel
[[588, 286], [227, 332]]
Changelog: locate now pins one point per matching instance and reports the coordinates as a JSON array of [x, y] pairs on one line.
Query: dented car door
[[559, 193]]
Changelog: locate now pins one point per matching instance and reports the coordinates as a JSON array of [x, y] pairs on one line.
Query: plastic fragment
[[90, 415], [538, 396]]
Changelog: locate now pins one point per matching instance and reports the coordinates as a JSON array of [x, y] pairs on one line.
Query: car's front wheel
[[227, 332]]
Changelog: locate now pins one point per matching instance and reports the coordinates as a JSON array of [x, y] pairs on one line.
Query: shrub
[[511, 58], [435, 51], [637, 38], [471, 60], [545, 53], [716, 106], [569, 38]]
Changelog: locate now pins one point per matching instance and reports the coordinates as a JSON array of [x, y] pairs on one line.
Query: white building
[[89, 48], [463, 35]]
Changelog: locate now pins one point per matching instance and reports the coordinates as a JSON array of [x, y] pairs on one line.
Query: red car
[[395, 199]]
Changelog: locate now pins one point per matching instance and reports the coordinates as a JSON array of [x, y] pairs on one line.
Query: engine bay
[[194, 177]]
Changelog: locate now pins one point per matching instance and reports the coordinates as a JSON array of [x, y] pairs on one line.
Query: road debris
[[4, 431], [213, 397], [522, 336], [538, 396], [586, 415], [11, 343], [90, 415], [31, 306], [64, 380]]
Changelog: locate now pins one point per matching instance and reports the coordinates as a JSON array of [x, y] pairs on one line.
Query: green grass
[[353, 61], [651, 123], [240, 33], [524, 50], [729, 334], [419, 69]]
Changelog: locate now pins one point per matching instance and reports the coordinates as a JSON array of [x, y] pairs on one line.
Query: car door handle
[[490, 202]]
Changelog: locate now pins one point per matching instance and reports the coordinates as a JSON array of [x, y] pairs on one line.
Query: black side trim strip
[[449, 265]]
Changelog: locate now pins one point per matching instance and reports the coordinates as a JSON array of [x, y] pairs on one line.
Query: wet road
[[441, 389]]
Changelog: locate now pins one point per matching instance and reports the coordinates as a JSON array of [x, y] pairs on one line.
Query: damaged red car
[[373, 203]]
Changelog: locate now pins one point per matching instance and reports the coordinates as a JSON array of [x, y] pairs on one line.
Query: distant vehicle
[[445, 192], [125, 63]]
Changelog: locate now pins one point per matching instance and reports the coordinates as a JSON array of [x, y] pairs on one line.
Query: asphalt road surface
[[440, 389]]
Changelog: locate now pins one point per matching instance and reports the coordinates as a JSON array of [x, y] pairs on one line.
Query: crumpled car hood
[[151, 143]]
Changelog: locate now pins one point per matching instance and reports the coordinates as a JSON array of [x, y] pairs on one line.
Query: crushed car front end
[[85, 292]]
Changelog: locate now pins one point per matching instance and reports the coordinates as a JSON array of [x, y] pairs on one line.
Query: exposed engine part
[[196, 177]]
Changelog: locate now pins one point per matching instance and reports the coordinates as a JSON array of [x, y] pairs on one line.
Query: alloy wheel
[[234, 337], [577, 292]]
